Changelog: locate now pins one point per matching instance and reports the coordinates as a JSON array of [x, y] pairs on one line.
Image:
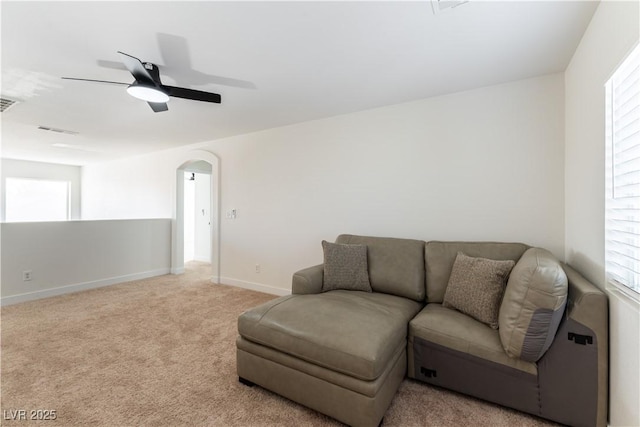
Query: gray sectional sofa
[[542, 350]]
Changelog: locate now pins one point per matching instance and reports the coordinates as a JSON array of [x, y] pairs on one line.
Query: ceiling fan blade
[[96, 81], [157, 107], [197, 95], [136, 68]]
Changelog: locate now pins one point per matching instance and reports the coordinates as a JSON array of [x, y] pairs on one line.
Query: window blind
[[622, 214]]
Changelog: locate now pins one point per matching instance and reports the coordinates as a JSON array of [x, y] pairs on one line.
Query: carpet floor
[[161, 352]]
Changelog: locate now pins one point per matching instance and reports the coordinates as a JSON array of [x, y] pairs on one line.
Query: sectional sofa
[[502, 322]]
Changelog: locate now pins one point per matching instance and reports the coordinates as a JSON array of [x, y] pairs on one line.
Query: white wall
[[76, 255], [613, 31], [486, 164], [136, 188], [38, 170]]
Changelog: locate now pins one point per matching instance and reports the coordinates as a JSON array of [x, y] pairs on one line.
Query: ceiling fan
[[148, 87]]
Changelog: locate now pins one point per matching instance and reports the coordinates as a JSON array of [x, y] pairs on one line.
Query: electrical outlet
[[257, 268], [26, 275]]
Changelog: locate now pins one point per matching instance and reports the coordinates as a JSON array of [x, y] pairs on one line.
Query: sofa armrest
[[308, 280], [576, 365], [587, 304]]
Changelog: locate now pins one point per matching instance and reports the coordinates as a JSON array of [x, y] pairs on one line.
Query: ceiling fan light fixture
[[147, 93]]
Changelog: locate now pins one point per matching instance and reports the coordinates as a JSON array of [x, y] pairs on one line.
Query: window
[[36, 200], [622, 215]]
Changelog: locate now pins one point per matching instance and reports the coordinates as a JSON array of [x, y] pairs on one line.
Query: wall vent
[[440, 6], [5, 104], [56, 130]]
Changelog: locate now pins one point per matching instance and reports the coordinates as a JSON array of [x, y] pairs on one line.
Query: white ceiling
[[274, 63]]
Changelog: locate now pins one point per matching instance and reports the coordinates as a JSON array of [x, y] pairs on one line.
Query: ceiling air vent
[[5, 104], [440, 6], [56, 130]]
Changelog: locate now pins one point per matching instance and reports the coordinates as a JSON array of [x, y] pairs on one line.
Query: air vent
[[5, 104], [56, 130], [440, 6]]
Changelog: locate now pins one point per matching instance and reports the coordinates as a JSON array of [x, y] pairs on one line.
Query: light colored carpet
[[161, 352]]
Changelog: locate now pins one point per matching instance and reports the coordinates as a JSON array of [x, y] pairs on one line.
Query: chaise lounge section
[[345, 352], [342, 353]]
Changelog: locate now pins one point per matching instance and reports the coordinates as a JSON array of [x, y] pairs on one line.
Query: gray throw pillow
[[345, 267], [476, 287]]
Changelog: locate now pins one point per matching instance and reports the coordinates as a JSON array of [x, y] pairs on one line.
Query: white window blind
[[622, 215]]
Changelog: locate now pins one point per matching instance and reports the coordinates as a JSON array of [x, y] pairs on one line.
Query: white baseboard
[[45, 293], [179, 270], [254, 286]]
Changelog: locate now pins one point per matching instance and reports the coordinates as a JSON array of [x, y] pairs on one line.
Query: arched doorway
[[208, 164]]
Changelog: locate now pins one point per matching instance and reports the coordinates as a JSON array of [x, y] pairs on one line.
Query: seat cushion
[[352, 332], [457, 331]]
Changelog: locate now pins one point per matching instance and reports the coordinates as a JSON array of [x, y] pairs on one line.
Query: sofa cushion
[[345, 267], [533, 305], [441, 255], [476, 286], [355, 333], [396, 266], [457, 331]]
